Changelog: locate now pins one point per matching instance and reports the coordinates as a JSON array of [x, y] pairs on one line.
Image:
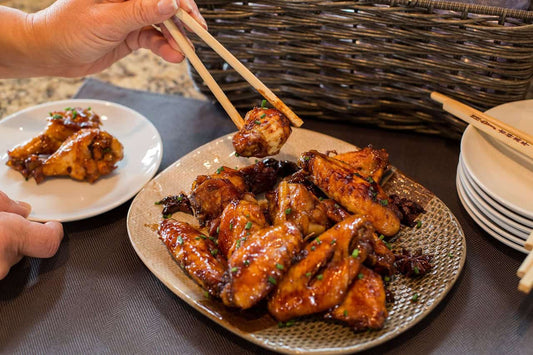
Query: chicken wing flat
[[61, 125], [239, 220], [358, 195], [195, 253], [87, 155], [368, 162], [364, 306], [319, 281], [294, 203], [257, 266], [264, 132]]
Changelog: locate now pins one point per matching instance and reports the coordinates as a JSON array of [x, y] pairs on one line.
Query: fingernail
[[167, 7], [203, 21]]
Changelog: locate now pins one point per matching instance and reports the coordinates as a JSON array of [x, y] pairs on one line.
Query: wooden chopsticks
[[512, 137], [232, 61], [525, 271]]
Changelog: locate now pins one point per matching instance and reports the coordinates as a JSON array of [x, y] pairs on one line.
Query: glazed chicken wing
[[321, 278], [259, 263], [239, 220], [264, 132], [61, 125], [367, 161], [344, 184], [294, 203], [195, 253], [364, 306], [86, 155]]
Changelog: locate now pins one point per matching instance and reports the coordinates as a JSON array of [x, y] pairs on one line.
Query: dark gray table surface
[[96, 296]]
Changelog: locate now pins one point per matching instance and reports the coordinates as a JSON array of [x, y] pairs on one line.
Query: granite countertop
[[141, 70]]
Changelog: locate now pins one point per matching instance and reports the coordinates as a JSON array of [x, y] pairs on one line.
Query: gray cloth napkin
[[96, 296]]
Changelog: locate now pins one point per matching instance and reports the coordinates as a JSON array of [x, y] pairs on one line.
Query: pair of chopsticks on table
[[514, 138], [195, 61]]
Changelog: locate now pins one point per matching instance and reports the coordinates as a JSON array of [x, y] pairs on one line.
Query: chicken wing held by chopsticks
[[86, 155], [264, 132], [342, 183]]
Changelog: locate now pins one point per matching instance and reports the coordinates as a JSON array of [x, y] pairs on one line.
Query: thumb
[[136, 14]]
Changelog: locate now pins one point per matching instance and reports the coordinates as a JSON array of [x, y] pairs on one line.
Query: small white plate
[[503, 219], [504, 174], [486, 225], [64, 199], [514, 234]]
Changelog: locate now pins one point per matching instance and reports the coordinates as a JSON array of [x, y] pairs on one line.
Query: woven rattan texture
[[372, 62]]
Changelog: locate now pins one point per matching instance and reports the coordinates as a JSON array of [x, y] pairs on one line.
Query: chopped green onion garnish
[[370, 180], [418, 224], [246, 262], [308, 274], [279, 266], [450, 255], [248, 225], [355, 253], [220, 169], [313, 247], [218, 229], [231, 226], [263, 103], [237, 154], [345, 313], [416, 270], [360, 276], [180, 240], [272, 280], [263, 115], [333, 241], [415, 297], [168, 215], [257, 122], [384, 202], [214, 252], [288, 211], [319, 277], [234, 269], [386, 279]]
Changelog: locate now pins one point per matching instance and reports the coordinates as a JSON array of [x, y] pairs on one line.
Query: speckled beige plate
[[440, 234]]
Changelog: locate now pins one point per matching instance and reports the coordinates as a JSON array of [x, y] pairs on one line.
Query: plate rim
[[95, 102], [351, 349], [472, 130]]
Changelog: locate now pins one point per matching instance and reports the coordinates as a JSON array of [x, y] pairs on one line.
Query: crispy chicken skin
[[259, 263], [61, 125], [364, 306], [86, 155], [239, 220], [211, 193], [264, 132], [195, 253], [294, 203], [367, 161], [321, 278], [341, 182]]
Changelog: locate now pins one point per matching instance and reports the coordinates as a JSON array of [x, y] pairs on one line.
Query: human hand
[[20, 237], [80, 37]]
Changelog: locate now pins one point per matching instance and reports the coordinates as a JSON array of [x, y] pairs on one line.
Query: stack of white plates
[[494, 182]]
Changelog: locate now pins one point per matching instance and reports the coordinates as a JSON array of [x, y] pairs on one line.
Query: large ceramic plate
[[504, 174], [64, 199], [439, 234]]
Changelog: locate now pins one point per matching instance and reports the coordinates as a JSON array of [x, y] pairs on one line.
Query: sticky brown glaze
[[239, 220], [367, 161], [294, 203], [195, 253], [255, 268], [321, 278], [365, 304], [86, 155], [61, 125], [340, 182], [264, 132]]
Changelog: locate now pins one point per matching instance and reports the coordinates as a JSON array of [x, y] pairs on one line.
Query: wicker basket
[[372, 62]]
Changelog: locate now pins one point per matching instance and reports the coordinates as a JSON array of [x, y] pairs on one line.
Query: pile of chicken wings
[[314, 244], [72, 144]]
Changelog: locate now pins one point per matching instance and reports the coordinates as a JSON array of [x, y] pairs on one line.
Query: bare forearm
[[16, 56]]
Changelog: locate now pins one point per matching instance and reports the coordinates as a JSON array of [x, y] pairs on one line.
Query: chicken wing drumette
[[86, 155], [264, 132], [61, 125]]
